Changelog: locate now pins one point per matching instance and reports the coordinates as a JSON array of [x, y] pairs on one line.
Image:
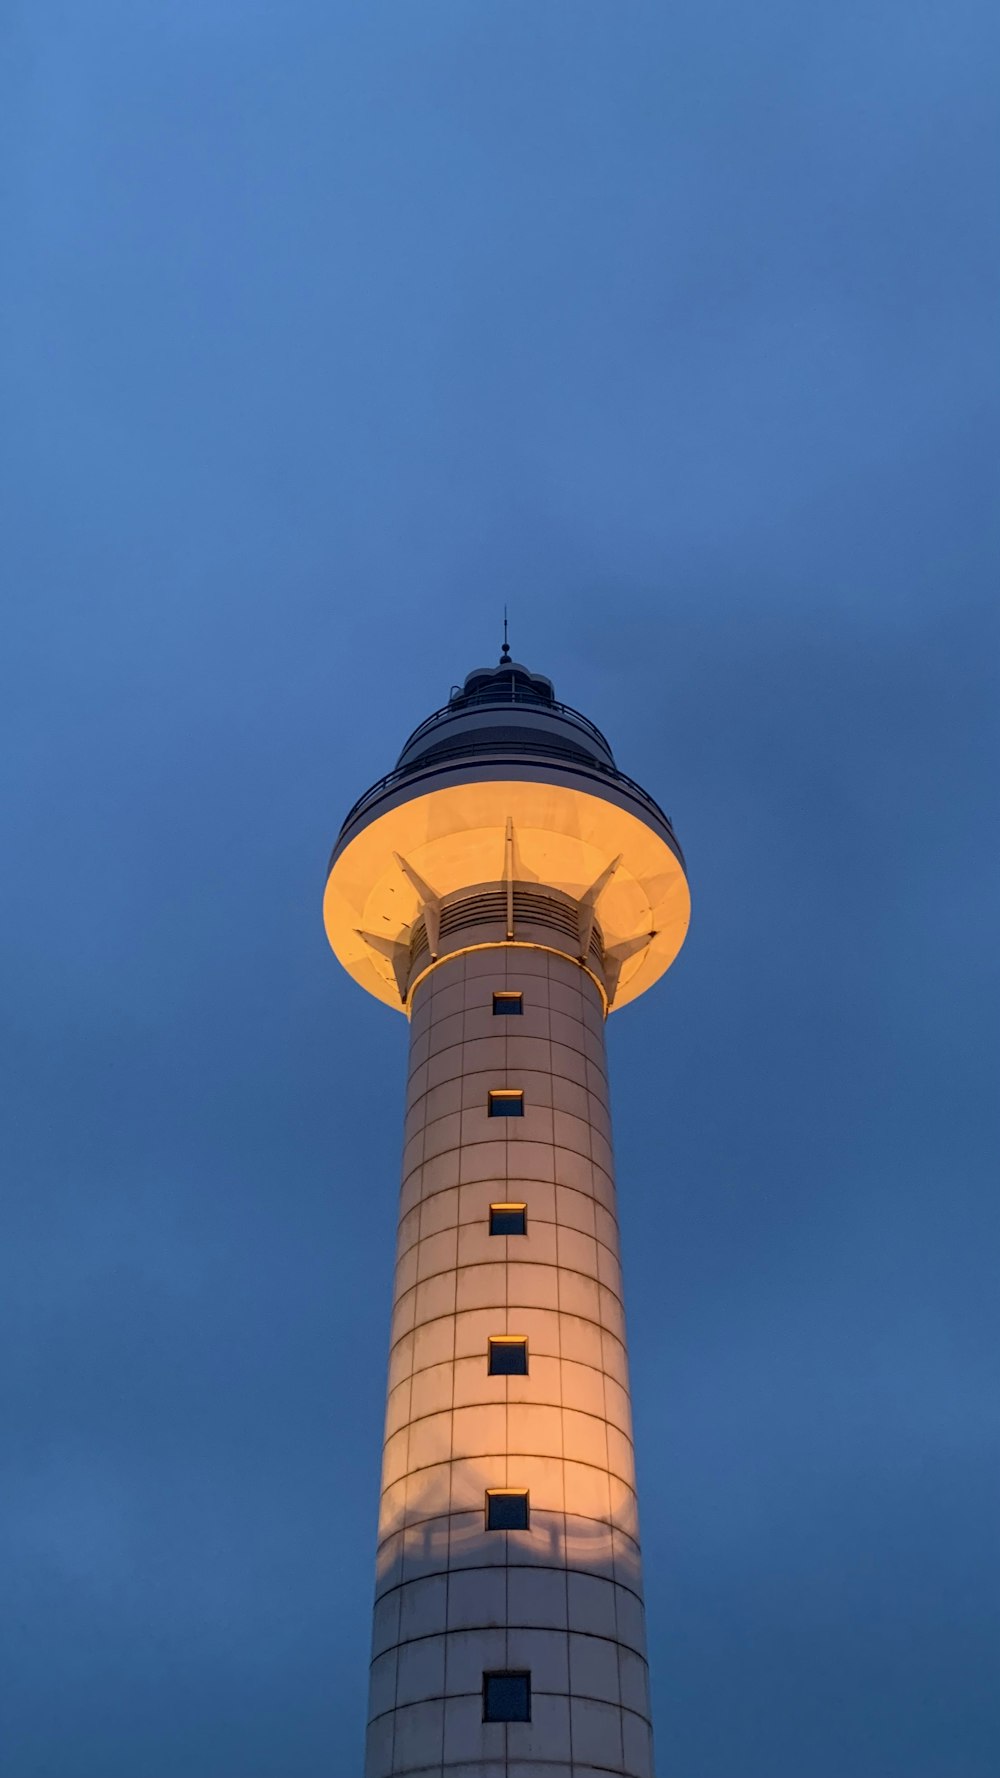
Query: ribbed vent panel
[[487, 908]]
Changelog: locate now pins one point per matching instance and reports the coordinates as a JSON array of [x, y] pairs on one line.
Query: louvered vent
[[533, 907]]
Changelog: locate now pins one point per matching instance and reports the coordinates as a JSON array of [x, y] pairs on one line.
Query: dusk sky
[[325, 330]]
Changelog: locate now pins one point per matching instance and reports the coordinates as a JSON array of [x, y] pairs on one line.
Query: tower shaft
[[555, 1606]]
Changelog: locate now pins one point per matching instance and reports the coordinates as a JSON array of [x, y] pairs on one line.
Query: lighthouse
[[506, 888]]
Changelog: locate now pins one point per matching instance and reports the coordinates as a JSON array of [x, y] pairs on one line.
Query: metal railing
[[593, 768], [479, 700]]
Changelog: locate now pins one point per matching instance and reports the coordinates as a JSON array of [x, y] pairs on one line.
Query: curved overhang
[[450, 830]]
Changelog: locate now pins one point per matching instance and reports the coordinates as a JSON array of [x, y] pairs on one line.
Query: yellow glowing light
[[509, 944], [454, 838]]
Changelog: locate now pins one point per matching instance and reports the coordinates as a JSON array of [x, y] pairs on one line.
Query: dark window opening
[[506, 1102], [506, 1509], [508, 1005], [506, 1697], [508, 1356], [508, 1219]]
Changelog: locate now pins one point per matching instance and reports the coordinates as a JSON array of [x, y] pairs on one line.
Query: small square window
[[508, 1219], [508, 1356], [506, 1102], [508, 1005], [506, 1697], [506, 1509]]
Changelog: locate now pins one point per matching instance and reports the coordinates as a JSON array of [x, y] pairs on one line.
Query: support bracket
[[430, 905], [587, 906], [619, 954], [395, 952]]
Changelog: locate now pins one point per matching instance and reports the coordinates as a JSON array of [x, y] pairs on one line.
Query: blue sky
[[325, 331]]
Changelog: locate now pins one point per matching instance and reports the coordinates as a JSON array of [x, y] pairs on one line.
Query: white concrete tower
[[505, 887]]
